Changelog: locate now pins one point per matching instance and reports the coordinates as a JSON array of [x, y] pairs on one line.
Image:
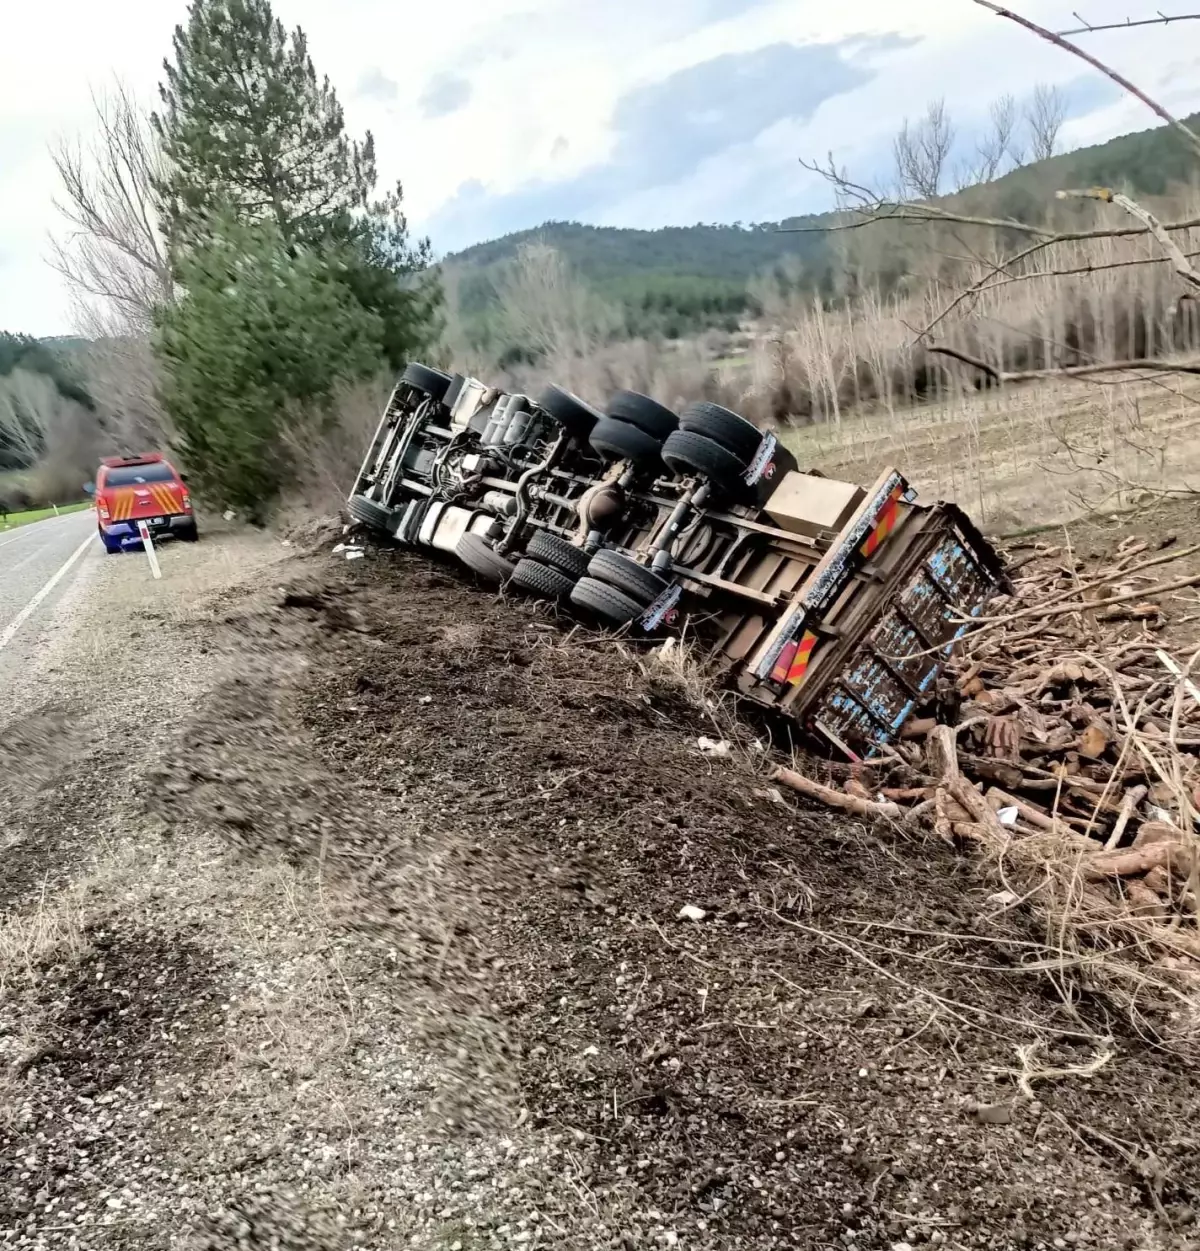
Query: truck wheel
[[373, 516], [688, 453], [721, 425], [611, 606], [481, 558], [575, 417], [541, 580], [433, 382], [618, 440], [640, 410], [639, 583], [558, 554], [190, 534]]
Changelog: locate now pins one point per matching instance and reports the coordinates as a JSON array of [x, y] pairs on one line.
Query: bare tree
[[122, 378], [1044, 116], [22, 418], [1000, 143], [922, 151], [546, 308], [113, 257], [115, 262]]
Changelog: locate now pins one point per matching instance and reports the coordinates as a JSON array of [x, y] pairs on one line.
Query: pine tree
[[247, 125], [247, 128], [259, 343]]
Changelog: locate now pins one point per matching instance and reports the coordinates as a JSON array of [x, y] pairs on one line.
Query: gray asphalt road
[[38, 565]]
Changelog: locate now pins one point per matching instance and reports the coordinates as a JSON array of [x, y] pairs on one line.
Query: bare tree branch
[[999, 276], [895, 211], [1182, 266], [114, 253], [1064, 371], [1190, 135], [1128, 24]]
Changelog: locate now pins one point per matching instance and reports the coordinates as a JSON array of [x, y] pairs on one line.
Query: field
[[12, 520], [1037, 454]]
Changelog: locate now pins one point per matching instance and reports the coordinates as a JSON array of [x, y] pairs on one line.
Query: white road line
[[9, 632]]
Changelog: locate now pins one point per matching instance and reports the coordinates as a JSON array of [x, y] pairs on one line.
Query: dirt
[[402, 896]]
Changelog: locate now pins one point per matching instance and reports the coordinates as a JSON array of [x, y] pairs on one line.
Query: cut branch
[[834, 799], [1064, 371]]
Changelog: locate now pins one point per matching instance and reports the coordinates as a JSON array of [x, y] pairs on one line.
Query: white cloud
[[544, 85]]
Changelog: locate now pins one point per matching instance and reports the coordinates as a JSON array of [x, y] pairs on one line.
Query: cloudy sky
[[502, 114]]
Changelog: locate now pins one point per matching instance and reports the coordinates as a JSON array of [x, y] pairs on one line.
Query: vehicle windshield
[[135, 475]]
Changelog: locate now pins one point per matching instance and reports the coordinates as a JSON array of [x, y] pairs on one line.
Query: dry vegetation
[[1030, 455]]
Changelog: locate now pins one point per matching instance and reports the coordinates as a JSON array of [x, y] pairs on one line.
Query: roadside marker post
[[148, 544]]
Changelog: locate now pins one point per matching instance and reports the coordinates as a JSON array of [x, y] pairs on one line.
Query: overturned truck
[[834, 603]]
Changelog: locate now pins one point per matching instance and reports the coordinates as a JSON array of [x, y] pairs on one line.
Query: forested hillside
[[680, 280], [37, 382]]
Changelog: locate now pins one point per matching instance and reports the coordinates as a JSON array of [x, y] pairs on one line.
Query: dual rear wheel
[[609, 586]]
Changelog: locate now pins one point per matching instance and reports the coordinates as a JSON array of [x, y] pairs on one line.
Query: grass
[[40, 514]]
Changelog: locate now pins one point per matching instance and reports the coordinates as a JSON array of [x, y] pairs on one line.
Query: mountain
[[681, 279], [670, 280]]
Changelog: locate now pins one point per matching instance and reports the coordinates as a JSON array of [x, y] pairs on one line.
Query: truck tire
[[598, 599], [688, 453], [433, 382], [481, 558], [639, 583], [572, 414], [558, 554], [721, 425], [541, 580], [618, 440], [374, 516], [648, 415]]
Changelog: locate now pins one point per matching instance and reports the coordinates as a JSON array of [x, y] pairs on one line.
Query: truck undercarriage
[[833, 603]]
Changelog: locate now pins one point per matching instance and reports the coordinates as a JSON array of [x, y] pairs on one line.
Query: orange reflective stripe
[[885, 525], [799, 664]]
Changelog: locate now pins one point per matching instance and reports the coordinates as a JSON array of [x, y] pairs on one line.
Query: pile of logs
[[1065, 720]]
